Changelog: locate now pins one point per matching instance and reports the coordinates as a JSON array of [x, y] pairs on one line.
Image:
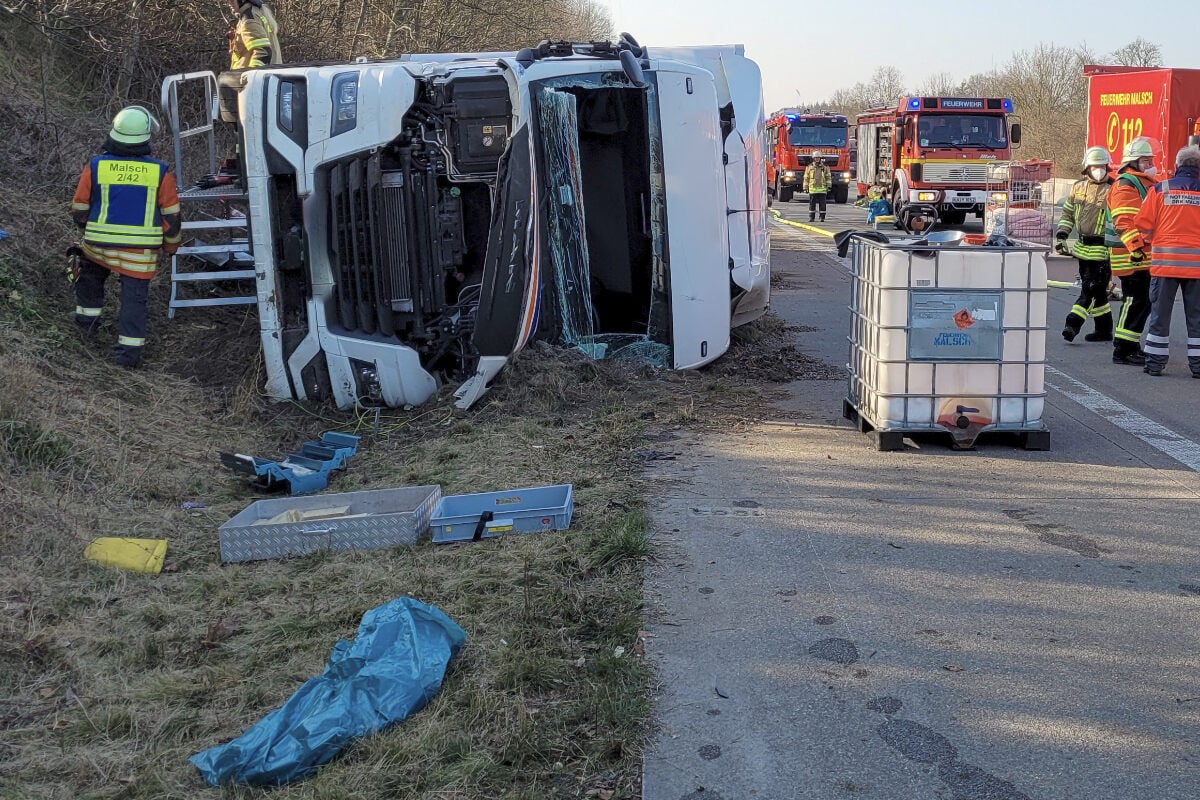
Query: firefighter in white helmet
[[1127, 258], [1085, 211]]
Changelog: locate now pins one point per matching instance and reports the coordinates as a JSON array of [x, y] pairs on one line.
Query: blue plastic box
[[542, 508]]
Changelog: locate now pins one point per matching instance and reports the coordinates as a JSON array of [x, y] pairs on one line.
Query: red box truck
[[1127, 102]]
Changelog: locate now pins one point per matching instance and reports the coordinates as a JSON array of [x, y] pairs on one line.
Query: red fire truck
[[1127, 102], [934, 152], [792, 139]]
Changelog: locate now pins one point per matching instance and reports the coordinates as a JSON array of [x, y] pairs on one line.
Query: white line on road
[[1161, 438]]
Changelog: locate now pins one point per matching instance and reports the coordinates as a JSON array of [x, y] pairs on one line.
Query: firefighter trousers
[[1158, 331], [1135, 310], [1093, 299], [816, 199], [131, 317]]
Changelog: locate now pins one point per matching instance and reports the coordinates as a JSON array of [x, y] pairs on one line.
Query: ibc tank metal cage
[[947, 339]]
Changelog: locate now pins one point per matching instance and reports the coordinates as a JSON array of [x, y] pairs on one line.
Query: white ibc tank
[[948, 338]]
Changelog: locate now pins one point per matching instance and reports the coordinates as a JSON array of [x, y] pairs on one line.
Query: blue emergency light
[[914, 104], [1008, 105]]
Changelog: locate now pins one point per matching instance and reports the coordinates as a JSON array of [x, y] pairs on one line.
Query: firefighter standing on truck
[[817, 180], [1086, 211], [128, 206], [1128, 262], [254, 38], [1169, 223]]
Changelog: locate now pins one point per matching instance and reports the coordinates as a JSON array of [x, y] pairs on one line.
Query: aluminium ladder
[[233, 256]]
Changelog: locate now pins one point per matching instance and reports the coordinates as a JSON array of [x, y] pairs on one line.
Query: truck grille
[[370, 263], [955, 173]]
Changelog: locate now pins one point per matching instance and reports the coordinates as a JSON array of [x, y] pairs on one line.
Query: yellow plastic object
[[135, 555]]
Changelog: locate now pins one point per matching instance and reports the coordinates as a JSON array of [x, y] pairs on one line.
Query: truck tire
[[841, 193], [785, 194], [897, 208]]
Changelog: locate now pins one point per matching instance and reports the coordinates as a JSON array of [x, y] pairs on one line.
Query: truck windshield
[[817, 134], [962, 130]]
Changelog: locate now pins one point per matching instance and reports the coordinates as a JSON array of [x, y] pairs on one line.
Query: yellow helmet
[[1096, 157], [133, 125]]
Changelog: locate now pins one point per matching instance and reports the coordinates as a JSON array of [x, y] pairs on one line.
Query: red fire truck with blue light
[[934, 152], [792, 138]]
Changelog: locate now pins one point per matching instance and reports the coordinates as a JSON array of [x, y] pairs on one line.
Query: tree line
[[1046, 84], [67, 66]]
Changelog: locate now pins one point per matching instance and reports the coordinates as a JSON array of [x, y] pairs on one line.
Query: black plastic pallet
[[893, 440]]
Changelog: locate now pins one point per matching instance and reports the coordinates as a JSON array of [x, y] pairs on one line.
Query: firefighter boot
[[812, 217], [822, 216], [1129, 353], [1104, 329], [1072, 326]]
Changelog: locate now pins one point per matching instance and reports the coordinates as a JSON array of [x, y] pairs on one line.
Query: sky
[[809, 50]]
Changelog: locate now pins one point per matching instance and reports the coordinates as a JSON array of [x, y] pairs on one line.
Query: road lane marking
[[1161, 438], [813, 228]]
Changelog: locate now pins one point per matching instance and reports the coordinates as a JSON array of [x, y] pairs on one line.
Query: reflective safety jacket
[[129, 209], [817, 179], [1124, 201], [1170, 221], [1086, 209], [254, 40]]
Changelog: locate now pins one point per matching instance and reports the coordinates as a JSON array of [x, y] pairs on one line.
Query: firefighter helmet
[[1138, 148], [817, 154], [1096, 157], [133, 125]]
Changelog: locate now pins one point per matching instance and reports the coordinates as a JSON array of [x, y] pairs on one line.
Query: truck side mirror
[[1015, 134], [899, 135]]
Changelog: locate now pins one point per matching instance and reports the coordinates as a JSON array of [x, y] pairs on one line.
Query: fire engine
[[1127, 102], [935, 151], [792, 139]]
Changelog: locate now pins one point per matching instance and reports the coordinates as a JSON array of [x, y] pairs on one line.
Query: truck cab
[[418, 221]]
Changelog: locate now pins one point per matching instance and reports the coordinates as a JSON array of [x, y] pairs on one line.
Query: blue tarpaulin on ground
[[392, 669]]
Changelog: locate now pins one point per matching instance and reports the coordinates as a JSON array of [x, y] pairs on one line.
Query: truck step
[[213, 224], [223, 275]]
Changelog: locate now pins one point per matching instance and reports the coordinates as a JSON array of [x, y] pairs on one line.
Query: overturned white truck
[[419, 220]]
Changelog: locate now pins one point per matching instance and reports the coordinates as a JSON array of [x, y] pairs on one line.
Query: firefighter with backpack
[[1135, 179]]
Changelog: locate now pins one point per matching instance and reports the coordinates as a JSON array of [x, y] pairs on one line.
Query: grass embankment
[[109, 681]]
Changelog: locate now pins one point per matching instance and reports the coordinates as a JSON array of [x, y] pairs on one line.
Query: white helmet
[[817, 154]]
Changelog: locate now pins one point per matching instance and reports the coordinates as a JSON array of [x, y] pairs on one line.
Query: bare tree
[[940, 84], [1138, 53], [887, 84]]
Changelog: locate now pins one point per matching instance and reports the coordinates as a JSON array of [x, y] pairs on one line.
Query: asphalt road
[[829, 621]]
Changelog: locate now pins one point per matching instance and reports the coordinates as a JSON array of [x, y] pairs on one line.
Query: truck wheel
[[841, 193], [897, 209], [785, 194]]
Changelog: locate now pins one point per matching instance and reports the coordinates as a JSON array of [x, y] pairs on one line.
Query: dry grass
[[109, 681]]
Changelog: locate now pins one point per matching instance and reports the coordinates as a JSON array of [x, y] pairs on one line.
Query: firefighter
[[254, 38], [1169, 224], [127, 204], [1086, 211], [1127, 259], [817, 180]]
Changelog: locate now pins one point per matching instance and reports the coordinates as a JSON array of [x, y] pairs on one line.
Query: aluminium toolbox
[[466, 517], [367, 520]]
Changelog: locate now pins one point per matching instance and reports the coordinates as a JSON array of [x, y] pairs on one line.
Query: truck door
[[697, 230]]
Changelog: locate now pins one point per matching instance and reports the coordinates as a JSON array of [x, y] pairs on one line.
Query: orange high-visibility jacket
[[1124, 201], [1170, 221]]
